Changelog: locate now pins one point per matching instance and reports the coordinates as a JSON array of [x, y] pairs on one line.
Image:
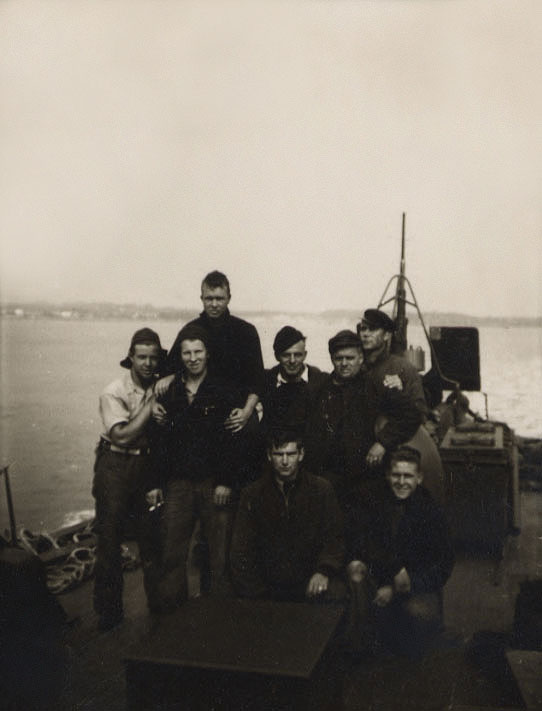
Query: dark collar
[[215, 322]]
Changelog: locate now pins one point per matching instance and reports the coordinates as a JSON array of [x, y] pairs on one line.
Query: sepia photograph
[[271, 355]]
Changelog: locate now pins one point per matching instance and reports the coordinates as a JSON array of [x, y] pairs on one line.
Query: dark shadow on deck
[[466, 670]]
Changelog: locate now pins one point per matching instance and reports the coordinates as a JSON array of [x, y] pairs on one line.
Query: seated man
[[291, 386], [401, 560], [288, 537], [200, 464]]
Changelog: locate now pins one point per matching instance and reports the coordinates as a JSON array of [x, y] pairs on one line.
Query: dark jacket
[[194, 444], [338, 432], [404, 410], [236, 354], [280, 541], [411, 534], [289, 406]]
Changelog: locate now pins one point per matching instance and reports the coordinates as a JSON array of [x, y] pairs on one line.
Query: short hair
[[405, 454], [216, 280], [279, 438], [193, 332]]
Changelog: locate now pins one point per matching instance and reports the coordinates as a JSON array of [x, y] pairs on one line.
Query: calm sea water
[[53, 372]]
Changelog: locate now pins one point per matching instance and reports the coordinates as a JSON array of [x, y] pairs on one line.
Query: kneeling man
[[402, 557], [288, 538]]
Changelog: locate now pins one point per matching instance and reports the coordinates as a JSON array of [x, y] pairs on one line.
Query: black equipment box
[[478, 461], [458, 354], [250, 655]]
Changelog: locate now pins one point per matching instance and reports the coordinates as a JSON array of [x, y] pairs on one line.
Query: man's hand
[[237, 419], [154, 498], [161, 386], [401, 581], [375, 455], [384, 596], [357, 570], [222, 495], [318, 585], [159, 414], [393, 381]]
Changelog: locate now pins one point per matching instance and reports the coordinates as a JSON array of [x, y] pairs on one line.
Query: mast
[[401, 321]]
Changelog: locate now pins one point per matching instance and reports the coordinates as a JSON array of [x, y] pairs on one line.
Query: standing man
[[234, 347], [200, 464], [396, 393], [342, 427], [337, 436], [291, 386], [124, 475], [288, 541]]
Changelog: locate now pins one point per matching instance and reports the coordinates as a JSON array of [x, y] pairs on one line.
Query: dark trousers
[[186, 503], [405, 626], [120, 484]]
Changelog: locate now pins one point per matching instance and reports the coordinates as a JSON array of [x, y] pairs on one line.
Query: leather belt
[[110, 447]]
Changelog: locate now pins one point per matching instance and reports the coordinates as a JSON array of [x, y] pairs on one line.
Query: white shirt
[[120, 402]]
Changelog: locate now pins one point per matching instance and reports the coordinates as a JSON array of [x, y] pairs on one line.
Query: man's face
[[404, 478], [145, 359], [373, 339], [347, 362], [286, 459], [292, 360], [215, 301], [194, 357]]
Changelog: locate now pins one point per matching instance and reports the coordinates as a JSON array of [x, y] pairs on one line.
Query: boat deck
[[466, 670]]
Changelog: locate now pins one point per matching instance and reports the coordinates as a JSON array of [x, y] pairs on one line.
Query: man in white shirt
[[124, 476]]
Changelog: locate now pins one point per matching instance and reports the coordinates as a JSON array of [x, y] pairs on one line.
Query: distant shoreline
[[147, 312]]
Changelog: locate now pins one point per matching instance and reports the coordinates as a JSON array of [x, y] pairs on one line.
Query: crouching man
[[125, 476], [401, 560], [288, 538]]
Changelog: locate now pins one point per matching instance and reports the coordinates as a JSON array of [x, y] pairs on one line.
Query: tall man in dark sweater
[[200, 462], [234, 348]]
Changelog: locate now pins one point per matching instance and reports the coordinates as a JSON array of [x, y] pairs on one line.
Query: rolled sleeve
[[113, 411]]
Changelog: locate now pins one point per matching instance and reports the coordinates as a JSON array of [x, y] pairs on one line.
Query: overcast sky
[[144, 143]]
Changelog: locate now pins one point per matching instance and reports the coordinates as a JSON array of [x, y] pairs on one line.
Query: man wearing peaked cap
[[125, 480], [392, 376], [292, 385], [375, 318], [395, 393]]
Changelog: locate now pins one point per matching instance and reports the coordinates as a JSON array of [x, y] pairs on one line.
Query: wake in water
[[75, 517]]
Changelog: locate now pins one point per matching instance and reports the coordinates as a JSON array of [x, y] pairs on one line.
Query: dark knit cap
[[143, 336], [374, 318], [285, 338], [343, 339]]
